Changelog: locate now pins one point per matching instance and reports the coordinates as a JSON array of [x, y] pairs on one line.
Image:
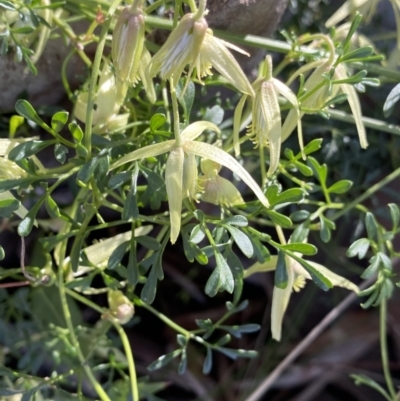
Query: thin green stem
[[154, 6], [162, 317], [384, 349], [75, 342], [369, 192], [200, 11], [131, 362], [124, 340], [93, 79]]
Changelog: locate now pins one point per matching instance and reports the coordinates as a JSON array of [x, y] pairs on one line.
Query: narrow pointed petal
[[267, 266], [236, 124], [145, 76], [220, 191], [335, 279], [286, 92], [194, 130], [215, 51], [272, 116], [189, 176], [173, 183], [280, 301], [354, 102], [147, 151], [220, 156]]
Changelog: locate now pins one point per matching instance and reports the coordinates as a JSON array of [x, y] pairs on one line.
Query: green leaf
[[59, 120], [8, 206], [8, 5], [340, 187], [60, 153], [2, 253], [394, 214], [279, 219], [119, 179], [25, 109], [293, 195], [300, 234], [241, 240], [183, 362], [197, 234], [149, 289], [320, 171], [362, 379], [326, 227], [186, 101], [131, 209], [51, 207], [87, 170], [371, 225], [148, 242], [76, 131], [362, 52], [237, 220], [207, 364], [281, 276], [117, 255], [157, 121], [81, 151], [164, 360], [132, 267], [312, 146], [237, 331], [300, 215], [221, 278], [305, 170], [261, 253], [237, 353], [26, 225], [391, 100], [358, 248], [214, 115], [26, 149], [305, 249]]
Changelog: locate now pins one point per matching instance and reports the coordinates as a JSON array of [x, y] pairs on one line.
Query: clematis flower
[[215, 189], [266, 126], [128, 43], [179, 167], [297, 276], [105, 116], [130, 56], [320, 97], [192, 43]]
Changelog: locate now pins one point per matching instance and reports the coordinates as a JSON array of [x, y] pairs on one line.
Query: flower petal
[[147, 151], [354, 102], [173, 183], [335, 279], [194, 130], [220, 156], [215, 51], [236, 124], [272, 116]]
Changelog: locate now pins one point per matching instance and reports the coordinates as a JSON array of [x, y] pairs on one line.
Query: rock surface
[[257, 17]]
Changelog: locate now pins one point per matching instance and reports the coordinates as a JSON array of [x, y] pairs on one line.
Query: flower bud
[[120, 307], [181, 48], [127, 44]]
